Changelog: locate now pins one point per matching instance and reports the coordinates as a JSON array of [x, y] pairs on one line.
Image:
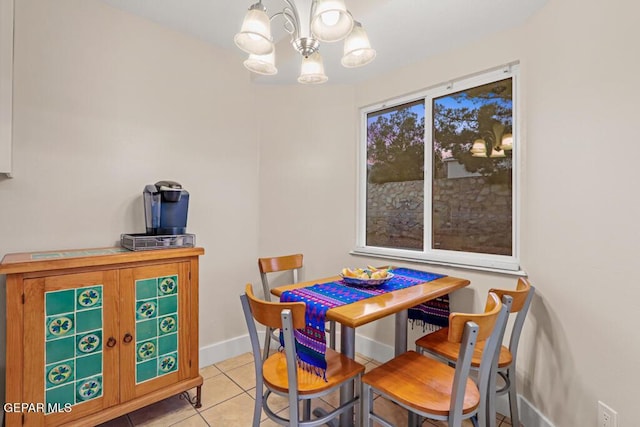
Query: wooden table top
[[374, 308]]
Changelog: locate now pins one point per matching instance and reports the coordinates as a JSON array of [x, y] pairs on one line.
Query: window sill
[[363, 252]]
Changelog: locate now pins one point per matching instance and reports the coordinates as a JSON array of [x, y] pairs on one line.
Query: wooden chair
[[437, 344], [429, 388], [280, 373], [291, 263]]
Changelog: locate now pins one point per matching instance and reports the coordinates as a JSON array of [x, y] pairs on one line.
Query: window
[[438, 174]]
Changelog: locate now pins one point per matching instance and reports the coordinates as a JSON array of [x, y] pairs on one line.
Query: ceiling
[[401, 31]]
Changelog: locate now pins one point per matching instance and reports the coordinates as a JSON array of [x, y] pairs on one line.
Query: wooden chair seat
[[421, 383], [339, 369], [437, 343]]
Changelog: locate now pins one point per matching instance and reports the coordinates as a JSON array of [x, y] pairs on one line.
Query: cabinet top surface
[[55, 260]]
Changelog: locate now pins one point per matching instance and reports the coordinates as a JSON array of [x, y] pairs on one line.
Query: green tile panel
[[89, 320], [167, 305], [167, 344], [59, 373], [73, 346], [146, 330], [58, 302], [90, 365], [156, 310], [146, 289]]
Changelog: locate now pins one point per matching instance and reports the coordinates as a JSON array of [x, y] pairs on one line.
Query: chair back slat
[[277, 264], [280, 263], [268, 313], [485, 321], [519, 294], [522, 296]]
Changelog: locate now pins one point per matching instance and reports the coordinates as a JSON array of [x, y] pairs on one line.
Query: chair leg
[[490, 403], [306, 409], [482, 416], [513, 396], [491, 408], [332, 335], [257, 407], [358, 406], [366, 401], [413, 419], [267, 343]]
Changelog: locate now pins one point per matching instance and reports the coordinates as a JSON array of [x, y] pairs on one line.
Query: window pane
[[472, 177], [395, 177]]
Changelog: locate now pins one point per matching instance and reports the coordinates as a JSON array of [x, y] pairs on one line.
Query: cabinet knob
[[127, 337], [111, 342]]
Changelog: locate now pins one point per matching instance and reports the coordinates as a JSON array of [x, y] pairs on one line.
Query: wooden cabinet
[[95, 334]]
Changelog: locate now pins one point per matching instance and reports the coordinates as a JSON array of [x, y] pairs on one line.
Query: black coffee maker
[[165, 208]]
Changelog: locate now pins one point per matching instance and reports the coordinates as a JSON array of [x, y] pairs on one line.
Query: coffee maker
[[166, 205]]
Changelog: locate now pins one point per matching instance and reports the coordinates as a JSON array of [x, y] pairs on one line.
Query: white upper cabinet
[[6, 84]]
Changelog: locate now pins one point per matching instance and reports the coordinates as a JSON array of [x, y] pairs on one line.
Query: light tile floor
[[227, 401]]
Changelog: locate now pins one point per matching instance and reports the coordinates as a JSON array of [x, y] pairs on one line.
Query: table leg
[[348, 348], [412, 419], [402, 318]]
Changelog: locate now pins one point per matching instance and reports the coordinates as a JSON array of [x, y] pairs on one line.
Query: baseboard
[[374, 349], [223, 350], [530, 416]]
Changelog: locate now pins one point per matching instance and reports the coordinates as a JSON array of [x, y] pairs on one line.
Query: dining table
[[396, 302]]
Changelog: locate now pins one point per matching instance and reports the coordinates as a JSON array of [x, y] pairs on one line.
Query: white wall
[[581, 237], [580, 228], [105, 103], [307, 154]]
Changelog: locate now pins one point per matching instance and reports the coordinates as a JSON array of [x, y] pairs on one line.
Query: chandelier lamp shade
[[255, 35], [312, 70], [495, 142], [308, 22], [357, 49], [262, 64]]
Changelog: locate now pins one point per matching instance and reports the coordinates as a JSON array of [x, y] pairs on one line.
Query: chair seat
[[339, 369], [421, 383], [437, 343]]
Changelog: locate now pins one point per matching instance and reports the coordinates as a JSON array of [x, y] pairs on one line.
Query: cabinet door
[[71, 363], [154, 328]]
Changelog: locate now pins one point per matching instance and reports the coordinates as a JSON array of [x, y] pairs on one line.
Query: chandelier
[[308, 24], [495, 142]]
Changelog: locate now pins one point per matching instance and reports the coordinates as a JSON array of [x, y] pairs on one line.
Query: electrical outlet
[[607, 417]]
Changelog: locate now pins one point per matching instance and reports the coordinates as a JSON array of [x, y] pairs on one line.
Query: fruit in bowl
[[369, 275]]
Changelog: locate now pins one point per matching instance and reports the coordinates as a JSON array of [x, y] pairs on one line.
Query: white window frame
[[489, 262]]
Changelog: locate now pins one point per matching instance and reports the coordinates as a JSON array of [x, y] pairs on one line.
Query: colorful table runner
[[311, 342]]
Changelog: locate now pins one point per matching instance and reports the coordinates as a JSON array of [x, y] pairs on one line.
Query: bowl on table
[[365, 277]]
